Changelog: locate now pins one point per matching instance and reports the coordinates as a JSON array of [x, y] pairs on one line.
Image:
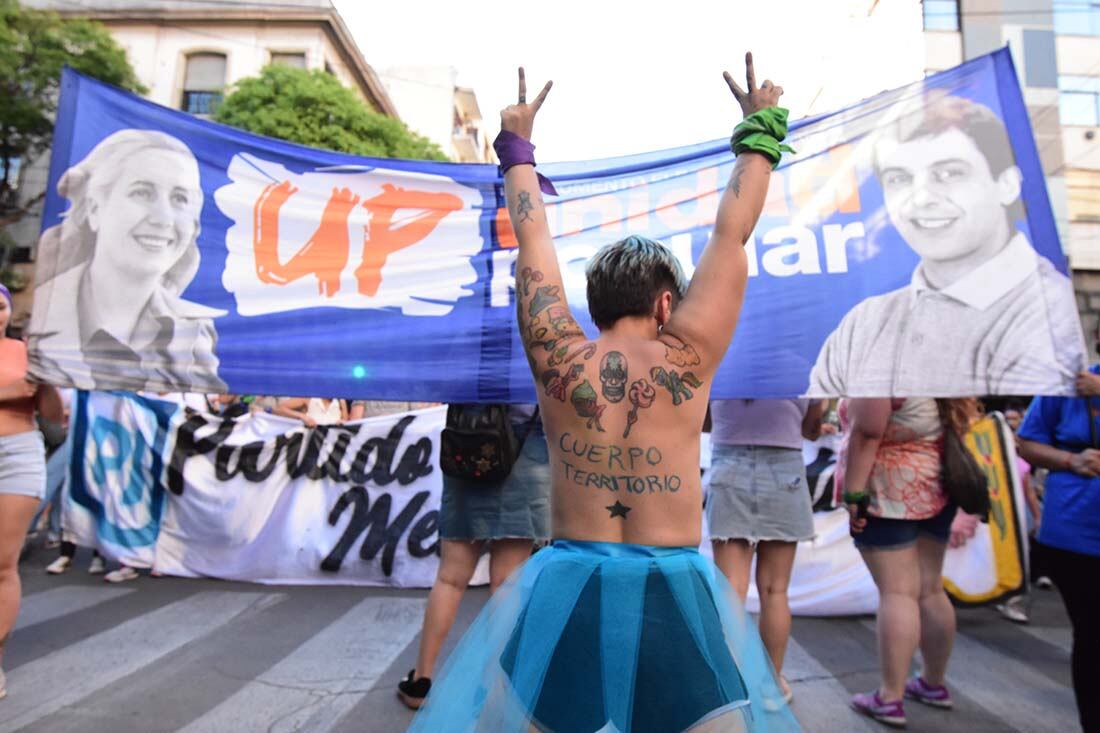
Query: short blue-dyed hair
[[625, 278]]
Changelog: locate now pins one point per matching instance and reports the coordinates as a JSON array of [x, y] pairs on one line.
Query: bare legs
[[937, 615], [913, 611], [504, 557], [16, 513], [456, 566], [457, 563], [897, 576], [773, 577], [734, 559]]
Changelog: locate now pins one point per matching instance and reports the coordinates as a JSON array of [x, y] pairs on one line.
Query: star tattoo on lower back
[[618, 509]]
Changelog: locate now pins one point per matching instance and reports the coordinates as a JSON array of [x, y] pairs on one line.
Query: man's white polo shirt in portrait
[[1010, 326]]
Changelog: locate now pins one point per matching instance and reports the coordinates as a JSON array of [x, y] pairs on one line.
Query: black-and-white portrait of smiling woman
[[984, 313], [107, 307]]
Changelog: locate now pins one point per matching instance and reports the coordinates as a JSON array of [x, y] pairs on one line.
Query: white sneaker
[[59, 565], [97, 566], [122, 575], [1014, 610]]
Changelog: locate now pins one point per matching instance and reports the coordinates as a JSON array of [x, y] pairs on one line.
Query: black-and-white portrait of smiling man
[[107, 307], [984, 312]]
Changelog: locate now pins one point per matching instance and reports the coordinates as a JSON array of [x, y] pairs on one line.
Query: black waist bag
[[478, 444]]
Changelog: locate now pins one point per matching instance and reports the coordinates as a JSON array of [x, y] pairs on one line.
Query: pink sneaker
[[871, 705], [935, 695]]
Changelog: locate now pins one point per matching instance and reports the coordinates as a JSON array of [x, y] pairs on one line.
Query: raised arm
[[708, 314], [546, 324]]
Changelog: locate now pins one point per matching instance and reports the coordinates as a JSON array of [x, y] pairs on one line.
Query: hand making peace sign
[[519, 118], [755, 99]]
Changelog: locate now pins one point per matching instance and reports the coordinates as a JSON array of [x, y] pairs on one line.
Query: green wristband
[[762, 132], [854, 498]]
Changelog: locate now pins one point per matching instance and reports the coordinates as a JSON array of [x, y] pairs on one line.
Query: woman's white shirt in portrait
[[108, 311]]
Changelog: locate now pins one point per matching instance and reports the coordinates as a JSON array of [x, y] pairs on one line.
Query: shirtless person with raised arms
[[621, 625]]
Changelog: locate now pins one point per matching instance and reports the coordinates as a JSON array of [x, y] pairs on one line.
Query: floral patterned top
[[905, 480]]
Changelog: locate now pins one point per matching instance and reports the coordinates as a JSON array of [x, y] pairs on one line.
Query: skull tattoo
[[613, 376]]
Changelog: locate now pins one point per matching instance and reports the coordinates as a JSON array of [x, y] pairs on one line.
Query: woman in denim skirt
[[507, 519], [758, 503]]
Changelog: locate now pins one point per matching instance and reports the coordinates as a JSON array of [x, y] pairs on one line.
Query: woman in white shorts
[[758, 503], [22, 464]]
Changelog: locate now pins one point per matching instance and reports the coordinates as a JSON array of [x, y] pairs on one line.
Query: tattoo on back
[[677, 384], [613, 376], [585, 403], [563, 355], [626, 471], [642, 395], [618, 509], [524, 207], [556, 383], [683, 355]]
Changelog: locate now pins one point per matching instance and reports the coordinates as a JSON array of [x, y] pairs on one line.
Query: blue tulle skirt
[[596, 636]]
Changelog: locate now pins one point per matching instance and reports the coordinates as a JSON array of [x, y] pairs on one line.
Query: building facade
[[431, 103], [189, 53], [1056, 49]]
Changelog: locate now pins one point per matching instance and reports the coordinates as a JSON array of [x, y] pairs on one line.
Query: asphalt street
[[172, 654]]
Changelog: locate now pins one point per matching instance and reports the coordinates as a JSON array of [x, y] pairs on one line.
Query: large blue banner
[[907, 249]]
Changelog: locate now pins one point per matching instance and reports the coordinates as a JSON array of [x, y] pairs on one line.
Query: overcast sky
[[646, 75]]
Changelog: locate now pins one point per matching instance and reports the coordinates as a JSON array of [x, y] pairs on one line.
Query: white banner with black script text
[[258, 498], [268, 501]]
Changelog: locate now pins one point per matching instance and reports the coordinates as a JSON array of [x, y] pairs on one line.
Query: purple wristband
[[514, 150]]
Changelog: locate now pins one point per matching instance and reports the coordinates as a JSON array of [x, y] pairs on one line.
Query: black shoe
[[413, 691]]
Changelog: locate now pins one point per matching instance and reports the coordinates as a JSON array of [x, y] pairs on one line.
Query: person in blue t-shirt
[[1061, 434]]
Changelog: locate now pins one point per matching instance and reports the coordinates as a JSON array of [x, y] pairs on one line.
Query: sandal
[[413, 690]]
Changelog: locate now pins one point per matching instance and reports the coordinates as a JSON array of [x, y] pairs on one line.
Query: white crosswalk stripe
[[56, 602], [1015, 691], [820, 701], [1018, 693], [349, 665], [321, 680], [45, 685], [1059, 636]]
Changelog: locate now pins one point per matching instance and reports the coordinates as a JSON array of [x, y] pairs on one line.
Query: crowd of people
[[617, 622], [758, 508]]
